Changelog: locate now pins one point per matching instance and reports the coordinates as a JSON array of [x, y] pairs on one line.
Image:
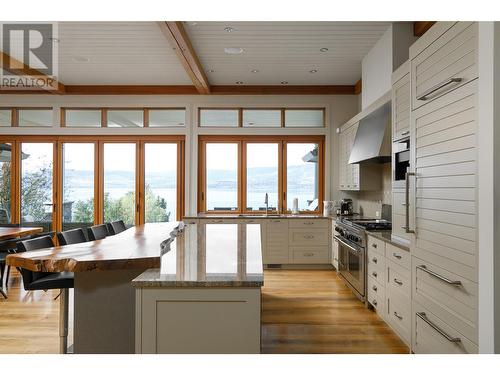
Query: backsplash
[[367, 203]]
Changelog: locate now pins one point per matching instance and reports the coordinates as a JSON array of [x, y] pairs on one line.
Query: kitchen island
[[104, 299], [205, 297]]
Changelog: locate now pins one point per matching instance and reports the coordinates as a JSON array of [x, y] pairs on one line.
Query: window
[[222, 176], [78, 185], [304, 118], [5, 180], [166, 117], [37, 206], [120, 182], [262, 176], [160, 176], [236, 172], [262, 118], [302, 175], [125, 118], [219, 117], [84, 118], [35, 117], [5, 117]]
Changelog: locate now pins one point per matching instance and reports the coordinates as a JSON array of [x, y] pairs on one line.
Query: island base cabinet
[[198, 321]]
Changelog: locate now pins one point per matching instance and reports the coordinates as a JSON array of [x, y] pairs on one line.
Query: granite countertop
[[209, 256], [386, 236], [258, 216]]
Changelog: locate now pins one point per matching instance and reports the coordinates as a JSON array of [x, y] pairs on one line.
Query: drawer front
[[432, 335], [376, 298], [376, 245], [398, 279], [308, 237], [452, 56], [399, 256], [218, 221], [399, 315], [376, 270], [276, 225], [311, 255], [433, 288], [309, 223], [376, 259]]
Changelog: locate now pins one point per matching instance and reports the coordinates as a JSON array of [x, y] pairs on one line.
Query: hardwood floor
[[303, 311]]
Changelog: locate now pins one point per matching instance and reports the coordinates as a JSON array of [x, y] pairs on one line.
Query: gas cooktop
[[370, 224]]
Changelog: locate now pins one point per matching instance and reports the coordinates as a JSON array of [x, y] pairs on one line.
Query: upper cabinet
[[401, 102], [349, 173], [447, 63]]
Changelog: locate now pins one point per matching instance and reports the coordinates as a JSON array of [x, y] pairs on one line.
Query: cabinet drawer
[[398, 279], [376, 296], [434, 336], [218, 221], [376, 259], [376, 245], [317, 255], [452, 55], [452, 298], [276, 225], [308, 223], [311, 237], [399, 315], [398, 256], [376, 270]]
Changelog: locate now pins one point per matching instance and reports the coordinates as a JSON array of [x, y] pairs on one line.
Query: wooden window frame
[[242, 140], [148, 109], [63, 121], [17, 140], [283, 119], [15, 117]]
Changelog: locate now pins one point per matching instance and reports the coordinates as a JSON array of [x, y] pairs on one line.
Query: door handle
[[433, 89], [407, 201]]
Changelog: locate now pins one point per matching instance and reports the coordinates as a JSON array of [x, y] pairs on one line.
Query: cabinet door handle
[[374, 260], [438, 276], [398, 281], [424, 317], [405, 133], [374, 274], [433, 89], [374, 288], [396, 255], [397, 315]]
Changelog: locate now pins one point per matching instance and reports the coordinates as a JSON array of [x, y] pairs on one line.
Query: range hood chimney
[[373, 138]]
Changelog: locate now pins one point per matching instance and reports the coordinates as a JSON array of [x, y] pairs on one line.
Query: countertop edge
[[380, 235]]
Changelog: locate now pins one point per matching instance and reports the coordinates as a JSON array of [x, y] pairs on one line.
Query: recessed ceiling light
[[229, 29], [80, 59], [254, 70], [233, 50], [324, 49], [313, 71], [284, 82], [239, 82]]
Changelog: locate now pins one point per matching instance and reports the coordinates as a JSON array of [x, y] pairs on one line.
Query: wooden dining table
[[15, 232]]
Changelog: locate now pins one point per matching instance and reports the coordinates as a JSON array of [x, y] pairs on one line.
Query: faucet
[[266, 202]]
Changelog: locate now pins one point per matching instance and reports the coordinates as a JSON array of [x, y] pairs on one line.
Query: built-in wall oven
[[351, 245]]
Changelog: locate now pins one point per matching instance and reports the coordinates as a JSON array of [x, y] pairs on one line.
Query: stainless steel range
[[351, 236]]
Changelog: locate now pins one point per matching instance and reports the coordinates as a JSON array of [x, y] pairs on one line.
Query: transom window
[[26, 117], [237, 172]]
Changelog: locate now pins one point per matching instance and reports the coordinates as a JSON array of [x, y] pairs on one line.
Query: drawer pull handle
[[374, 288], [374, 260], [309, 254], [398, 316], [308, 223], [374, 274], [374, 245], [309, 237], [374, 302], [424, 317], [405, 133], [396, 255], [438, 276], [398, 282], [433, 89]]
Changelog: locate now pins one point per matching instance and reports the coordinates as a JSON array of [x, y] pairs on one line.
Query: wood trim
[[14, 118], [57, 189], [179, 40], [145, 118], [140, 201], [97, 180], [94, 138], [284, 177], [181, 184], [358, 87], [420, 27], [191, 90], [99, 207]]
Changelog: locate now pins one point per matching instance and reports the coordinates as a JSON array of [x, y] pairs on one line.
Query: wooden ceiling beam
[[180, 43], [420, 27], [192, 90], [358, 86], [7, 61]]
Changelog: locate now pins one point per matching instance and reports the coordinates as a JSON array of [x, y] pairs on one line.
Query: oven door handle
[[351, 247]]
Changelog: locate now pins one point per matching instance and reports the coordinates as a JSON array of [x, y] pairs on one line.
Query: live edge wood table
[[104, 299]]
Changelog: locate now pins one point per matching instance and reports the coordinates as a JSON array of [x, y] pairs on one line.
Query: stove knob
[[355, 239]]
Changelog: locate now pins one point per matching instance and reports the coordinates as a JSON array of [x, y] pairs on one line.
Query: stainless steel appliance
[[351, 237], [346, 207]]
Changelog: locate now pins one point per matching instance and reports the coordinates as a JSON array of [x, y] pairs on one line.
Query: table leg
[[63, 321]]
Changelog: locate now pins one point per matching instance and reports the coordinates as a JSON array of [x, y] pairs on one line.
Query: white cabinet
[[276, 238], [401, 107], [349, 173], [444, 128]]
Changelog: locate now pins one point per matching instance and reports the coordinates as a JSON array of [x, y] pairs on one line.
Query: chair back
[[43, 234], [98, 232], [109, 228], [72, 236], [29, 245], [118, 226]]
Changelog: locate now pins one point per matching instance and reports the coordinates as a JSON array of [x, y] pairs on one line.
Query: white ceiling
[[284, 51], [128, 53], [119, 53]]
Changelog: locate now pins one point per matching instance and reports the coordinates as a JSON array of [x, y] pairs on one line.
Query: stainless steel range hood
[[373, 138]]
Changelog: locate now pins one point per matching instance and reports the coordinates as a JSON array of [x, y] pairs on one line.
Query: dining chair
[[71, 236], [118, 226], [97, 232]]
